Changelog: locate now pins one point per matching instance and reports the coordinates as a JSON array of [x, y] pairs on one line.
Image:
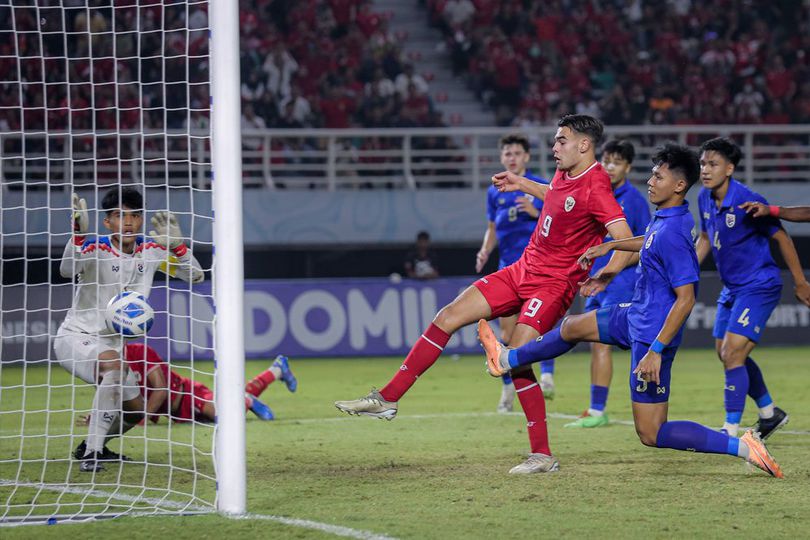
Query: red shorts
[[541, 301], [195, 396]]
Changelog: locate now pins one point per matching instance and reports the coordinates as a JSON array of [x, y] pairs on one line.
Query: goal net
[[97, 95]]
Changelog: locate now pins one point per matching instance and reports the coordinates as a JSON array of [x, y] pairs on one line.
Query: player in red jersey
[[578, 210], [183, 400]]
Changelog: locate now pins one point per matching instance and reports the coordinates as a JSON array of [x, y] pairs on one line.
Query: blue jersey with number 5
[[513, 228], [667, 261]]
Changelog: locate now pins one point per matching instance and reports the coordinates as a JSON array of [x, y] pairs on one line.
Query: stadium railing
[[394, 158]]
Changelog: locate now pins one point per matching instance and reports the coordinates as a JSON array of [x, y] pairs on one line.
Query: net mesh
[[94, 94]]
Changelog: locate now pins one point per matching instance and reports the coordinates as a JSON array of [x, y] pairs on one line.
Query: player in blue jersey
[[752, 282], [652, 325], [617, 159], [512, 219]]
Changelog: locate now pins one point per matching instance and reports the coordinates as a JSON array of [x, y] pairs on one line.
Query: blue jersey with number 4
[[667, 261], [740, 243], [513, 228]]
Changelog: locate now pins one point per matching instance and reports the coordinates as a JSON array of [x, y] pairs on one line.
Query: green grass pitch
[[439, 469]]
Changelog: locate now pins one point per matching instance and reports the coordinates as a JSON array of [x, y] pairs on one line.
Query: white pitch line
[[162, 504], [344, 418], [562, 416]]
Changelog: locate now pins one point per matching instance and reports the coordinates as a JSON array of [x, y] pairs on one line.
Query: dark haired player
[[512, 219], [617, 159], [107, 265], [752, 281], [578, 210], [652, 325]]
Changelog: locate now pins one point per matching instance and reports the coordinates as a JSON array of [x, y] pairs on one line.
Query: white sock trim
[[432, 342], [527, 387], [767, 411]]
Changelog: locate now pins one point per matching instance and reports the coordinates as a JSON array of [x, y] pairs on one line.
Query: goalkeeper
[[107, 265]]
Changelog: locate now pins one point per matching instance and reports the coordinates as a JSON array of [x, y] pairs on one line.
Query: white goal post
[[96, 95], [229, 275]]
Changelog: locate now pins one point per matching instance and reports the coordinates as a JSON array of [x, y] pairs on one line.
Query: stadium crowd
[[633, 62], [328, 63], [339, 64]]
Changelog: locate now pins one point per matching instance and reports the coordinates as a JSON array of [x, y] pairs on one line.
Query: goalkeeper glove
[[167, 233], [81, 218]]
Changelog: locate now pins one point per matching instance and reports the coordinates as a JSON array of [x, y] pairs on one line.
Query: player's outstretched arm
[[650, 366], [622, 247], [507, 181], [618, 262], [788, 213], [168, 234], [629, 244], [158, 394], [801, 287]]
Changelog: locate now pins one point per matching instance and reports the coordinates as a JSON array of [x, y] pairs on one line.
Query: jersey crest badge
[[649, 241], [569, 203], [501, 201], [731, 220], [705, 215]]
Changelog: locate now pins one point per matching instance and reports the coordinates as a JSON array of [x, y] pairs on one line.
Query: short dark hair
[[681, 159], [514, 138], [725, 147], [585, 125], [620, 147], [423, 235], [119, 196]]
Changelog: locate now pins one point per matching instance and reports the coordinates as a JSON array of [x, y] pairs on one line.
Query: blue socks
[[507, 379], [756, 387], [547, 347], [599, 396], [736, 390], [682, 435], [547, 367]]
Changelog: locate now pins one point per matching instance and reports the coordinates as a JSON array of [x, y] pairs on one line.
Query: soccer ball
[[129, 314]]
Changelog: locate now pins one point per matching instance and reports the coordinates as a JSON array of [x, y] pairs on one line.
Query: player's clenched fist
[[649, 369], [166, 230], [81, 218]]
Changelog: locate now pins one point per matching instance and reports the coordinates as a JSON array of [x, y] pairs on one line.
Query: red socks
[[424, 354], [257, 385], [534, 407]]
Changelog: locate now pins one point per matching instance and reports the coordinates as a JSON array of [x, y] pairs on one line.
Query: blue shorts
[[745, 313], [615, 330], [610, 297]]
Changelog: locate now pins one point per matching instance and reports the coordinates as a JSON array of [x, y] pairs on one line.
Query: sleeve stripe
[[616, 220]]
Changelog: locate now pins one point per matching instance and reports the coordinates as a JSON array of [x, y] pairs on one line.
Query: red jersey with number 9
[[576, 213]]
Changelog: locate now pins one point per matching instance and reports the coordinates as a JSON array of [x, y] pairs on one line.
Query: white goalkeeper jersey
[[105, 272]]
